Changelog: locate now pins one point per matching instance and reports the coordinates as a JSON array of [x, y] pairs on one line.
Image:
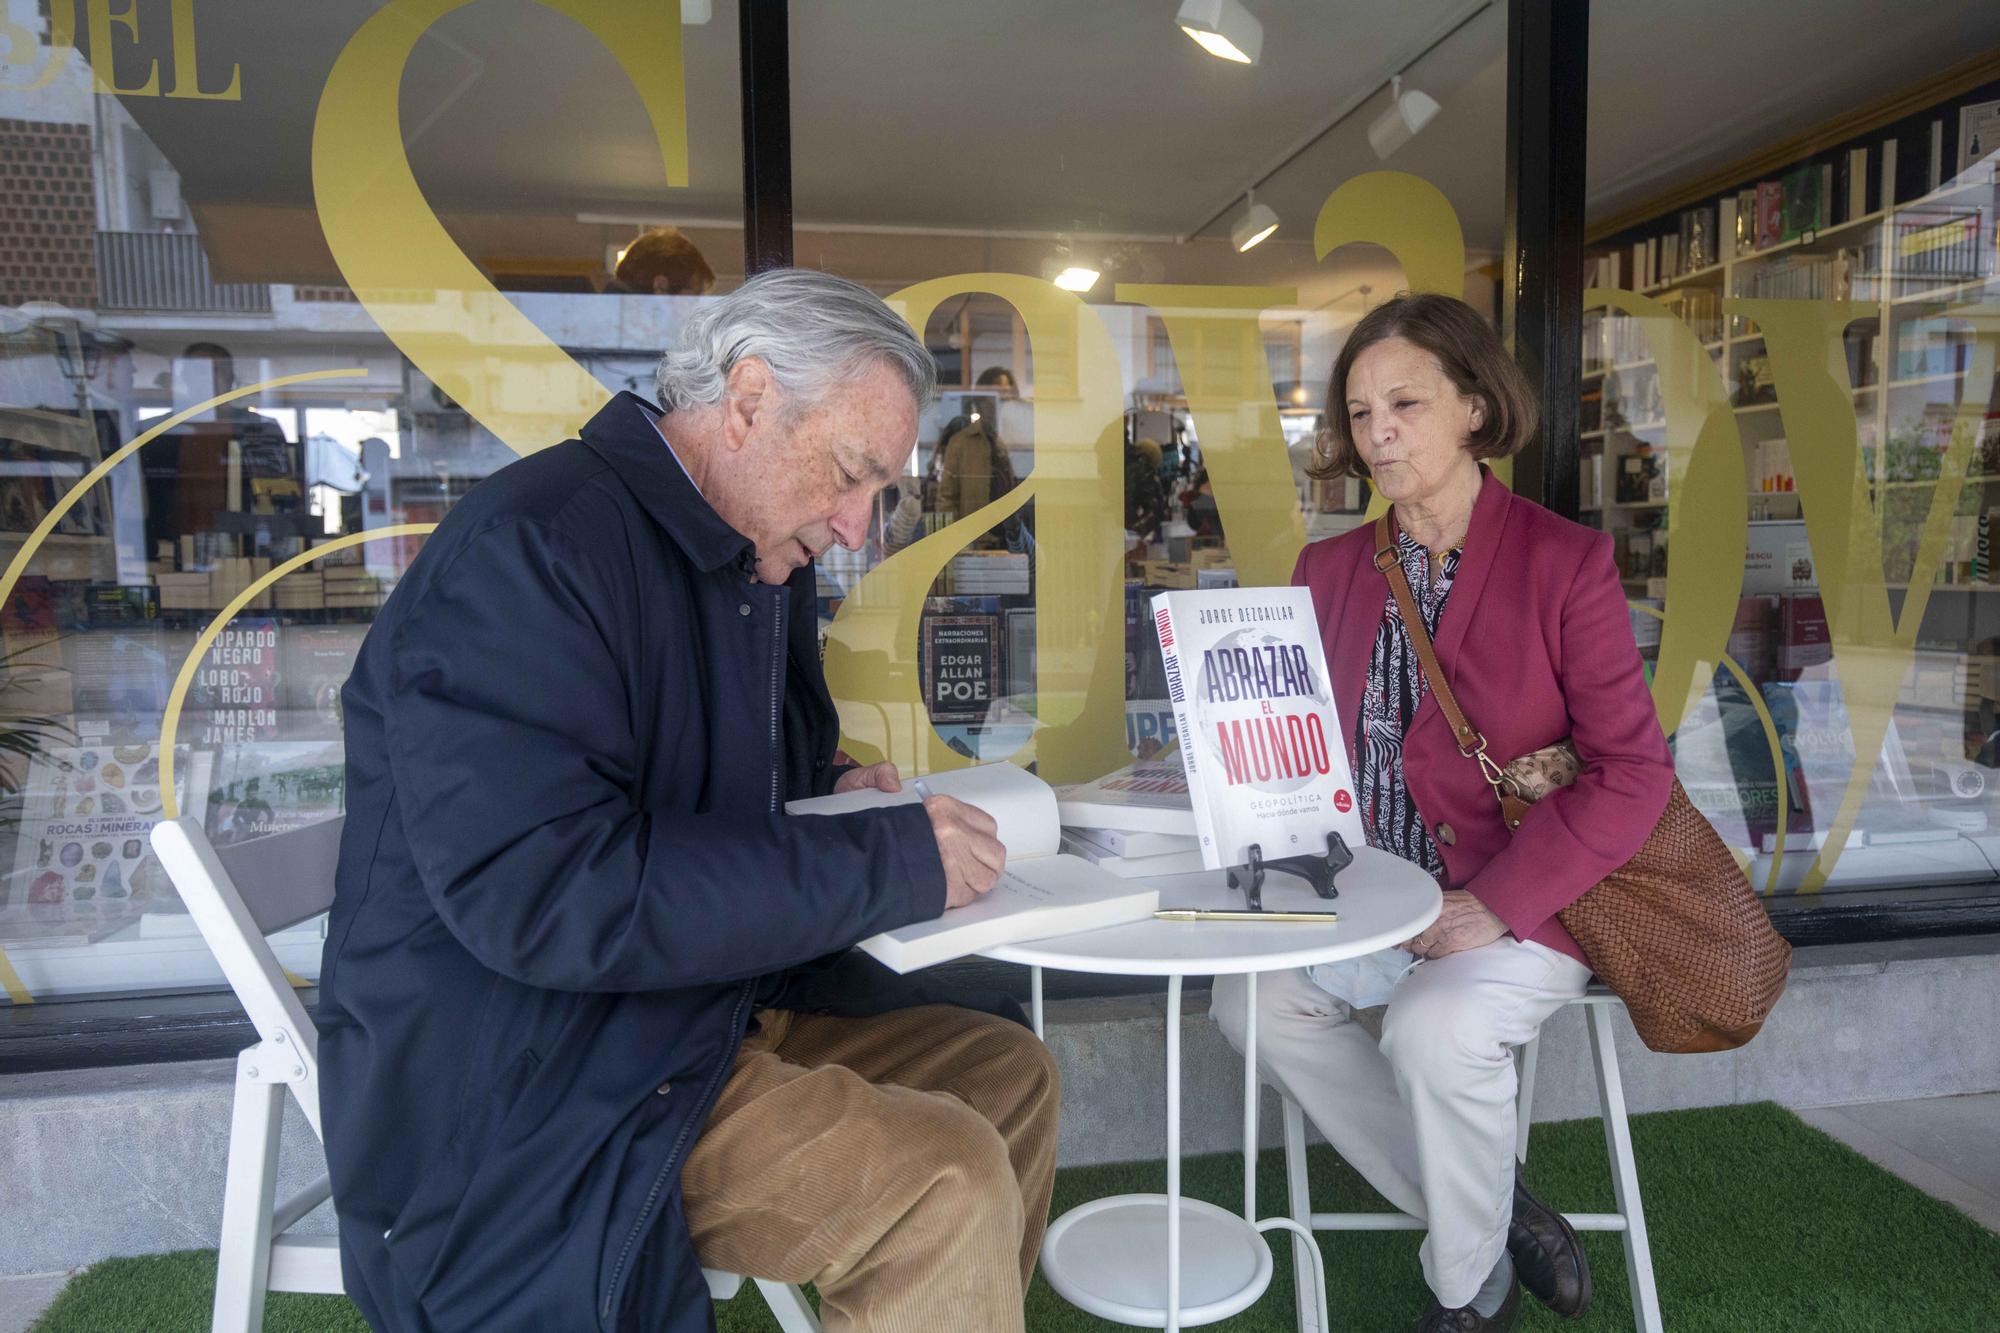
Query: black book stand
[[1315, 870]]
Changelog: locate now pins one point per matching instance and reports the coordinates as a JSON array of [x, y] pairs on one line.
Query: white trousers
[[1427, 1116]]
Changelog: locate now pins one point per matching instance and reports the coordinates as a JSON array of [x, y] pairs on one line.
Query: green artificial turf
[[1758, 1223]]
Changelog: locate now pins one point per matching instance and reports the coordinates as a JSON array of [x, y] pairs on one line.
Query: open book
[[1042, 892]]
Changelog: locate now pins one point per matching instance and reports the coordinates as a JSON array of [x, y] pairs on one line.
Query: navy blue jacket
[[565, 884]]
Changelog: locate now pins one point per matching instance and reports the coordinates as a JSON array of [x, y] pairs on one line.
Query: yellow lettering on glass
[[187, 78], [1411, 219], [1405, 215], [22, 43], [1707, 489], [468, 338], [103, 57], [1077, 485], [1872, 646], [1219, 349], [170, 721]]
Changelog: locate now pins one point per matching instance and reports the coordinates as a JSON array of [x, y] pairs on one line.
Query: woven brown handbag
[[1676, 932]]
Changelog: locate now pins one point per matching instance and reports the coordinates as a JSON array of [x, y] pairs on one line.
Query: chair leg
[[1524, 1105], [243, 1259], [1624, 1171], [1305, 1293], [794, 1312]]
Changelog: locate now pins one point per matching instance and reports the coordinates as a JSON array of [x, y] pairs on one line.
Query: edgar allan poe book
[[961, 657], [1261, 743]]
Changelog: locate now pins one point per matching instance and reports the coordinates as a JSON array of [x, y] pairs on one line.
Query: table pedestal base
[[1107, 1257]]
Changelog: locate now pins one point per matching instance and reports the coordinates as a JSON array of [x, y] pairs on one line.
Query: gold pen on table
[[1202, 914]]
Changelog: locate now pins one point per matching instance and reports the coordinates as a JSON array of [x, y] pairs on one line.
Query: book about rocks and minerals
[[1042, 892], [84, 865], [1261, 743]]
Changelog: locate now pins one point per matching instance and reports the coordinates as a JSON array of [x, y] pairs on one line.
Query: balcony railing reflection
[[168, 271]]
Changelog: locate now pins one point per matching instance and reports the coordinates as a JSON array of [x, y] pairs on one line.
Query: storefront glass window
[[278, 285], [1791, 427], [1079, 216]]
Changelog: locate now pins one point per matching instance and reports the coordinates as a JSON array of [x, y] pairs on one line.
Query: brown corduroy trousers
[[901, 1163]]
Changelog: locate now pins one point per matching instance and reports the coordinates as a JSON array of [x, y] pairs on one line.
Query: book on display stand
[[1261, 744]]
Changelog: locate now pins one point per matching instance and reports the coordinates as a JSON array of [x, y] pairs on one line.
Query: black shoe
[[1547, 1257], [1465, 1319]]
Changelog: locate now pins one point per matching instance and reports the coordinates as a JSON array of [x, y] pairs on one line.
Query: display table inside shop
[[1158, 1260]]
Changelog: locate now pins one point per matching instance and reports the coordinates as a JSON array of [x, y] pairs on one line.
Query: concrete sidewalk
[[1945, 1146], [1948, 1147]]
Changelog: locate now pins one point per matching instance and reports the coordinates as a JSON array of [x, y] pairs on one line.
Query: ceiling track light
[[1256, 224], [1069, 271], [1078, 278], [1406, 113], [1223, 28]]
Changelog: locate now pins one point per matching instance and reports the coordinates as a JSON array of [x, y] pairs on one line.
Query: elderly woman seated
[[1529, 624]]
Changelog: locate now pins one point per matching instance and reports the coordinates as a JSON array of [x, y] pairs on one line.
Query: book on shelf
[[1745, 211], [1646, 629], [1749, 643], [1261, 743], [1591, 486], [1801, 190], [1150, 796], [1770, 213], [1042, 891], [1804, 639]]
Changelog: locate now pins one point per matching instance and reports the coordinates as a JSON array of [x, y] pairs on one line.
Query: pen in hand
[[968, 844]]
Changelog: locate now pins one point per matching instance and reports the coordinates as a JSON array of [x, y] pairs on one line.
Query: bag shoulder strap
[[1471, 743]]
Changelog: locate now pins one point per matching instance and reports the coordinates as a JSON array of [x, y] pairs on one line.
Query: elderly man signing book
[[589, 1017]]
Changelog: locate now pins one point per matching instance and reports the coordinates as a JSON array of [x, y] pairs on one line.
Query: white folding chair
[[238, 896], [1630, 1218]]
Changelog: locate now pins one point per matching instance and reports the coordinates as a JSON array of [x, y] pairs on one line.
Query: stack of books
[[183, 591], [351, 586], [981, 573], [300, 590], [1134, 823]]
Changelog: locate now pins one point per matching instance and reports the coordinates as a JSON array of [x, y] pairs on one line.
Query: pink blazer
[[1537, 645]]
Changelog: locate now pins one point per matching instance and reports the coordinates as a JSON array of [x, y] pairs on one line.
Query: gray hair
[[812, 329]]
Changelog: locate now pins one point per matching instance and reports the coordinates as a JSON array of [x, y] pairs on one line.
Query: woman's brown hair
[[1472, 358]]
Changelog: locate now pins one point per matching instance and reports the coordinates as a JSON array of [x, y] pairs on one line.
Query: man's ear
[[746, 393]]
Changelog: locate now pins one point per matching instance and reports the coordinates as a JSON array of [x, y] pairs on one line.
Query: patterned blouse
[[1388, 702]]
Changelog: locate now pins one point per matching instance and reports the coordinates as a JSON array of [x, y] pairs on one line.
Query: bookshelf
[[1905, 267]]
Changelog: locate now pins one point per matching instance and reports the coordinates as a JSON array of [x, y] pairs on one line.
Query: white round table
[[1095, 1256]]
